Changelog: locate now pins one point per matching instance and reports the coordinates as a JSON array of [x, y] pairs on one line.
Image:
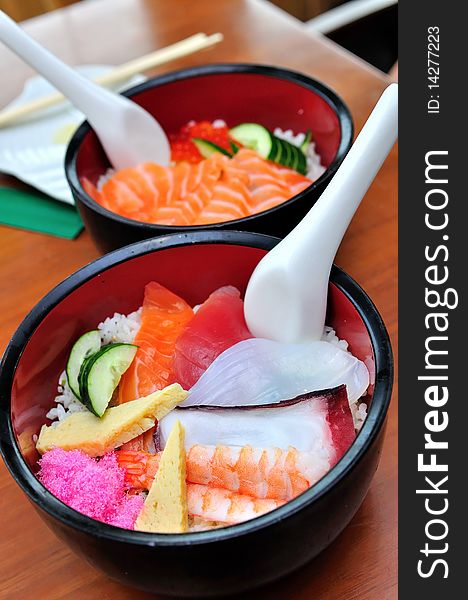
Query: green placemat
[[36, 212]]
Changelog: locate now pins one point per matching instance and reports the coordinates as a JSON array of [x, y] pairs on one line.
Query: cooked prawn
[[261, 473], [216, 504]]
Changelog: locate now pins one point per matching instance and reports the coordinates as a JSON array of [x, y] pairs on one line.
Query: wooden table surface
[[362, 562]]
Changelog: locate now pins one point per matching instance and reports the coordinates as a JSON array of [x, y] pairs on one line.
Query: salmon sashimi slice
[[267, 196], [134, 190], [262, 171], [215, 190], [231, 172], [231, 199], [92, 191], [294, 180], [170, 215], [252, 162], [164, 317], [122, 199], [260, 179], [218, 324], [162, 178], [195, 201], [227, 204], [204, 173]]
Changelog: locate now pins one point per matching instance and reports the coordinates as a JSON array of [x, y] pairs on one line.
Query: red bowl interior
[[235, 98], [191, 271]]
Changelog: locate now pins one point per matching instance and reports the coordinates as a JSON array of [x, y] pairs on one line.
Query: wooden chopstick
[[194, 43]]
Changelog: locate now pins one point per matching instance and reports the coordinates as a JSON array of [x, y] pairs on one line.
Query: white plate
[[34, 150]]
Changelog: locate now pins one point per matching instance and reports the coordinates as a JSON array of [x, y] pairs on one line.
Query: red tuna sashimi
[[218, 324]]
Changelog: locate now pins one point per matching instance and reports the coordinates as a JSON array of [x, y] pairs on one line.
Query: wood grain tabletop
[[361, 563]]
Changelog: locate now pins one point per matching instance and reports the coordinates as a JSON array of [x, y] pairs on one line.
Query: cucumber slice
[[306, 143], [276, 150], [100, 374], [294, 157], [84, 347], [286, 154], [299, 160], [302, 166], [258, 138], [207, 148], [254, 136]]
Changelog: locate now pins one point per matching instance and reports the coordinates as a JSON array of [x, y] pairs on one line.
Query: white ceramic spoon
[[286, 297], [128, 133]]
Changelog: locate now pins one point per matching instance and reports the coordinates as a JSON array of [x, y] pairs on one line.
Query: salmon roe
[[182, 147]]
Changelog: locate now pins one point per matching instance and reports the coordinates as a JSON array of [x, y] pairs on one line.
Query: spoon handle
[[128, 133], [324, 226], [84, 94], [286, 298]]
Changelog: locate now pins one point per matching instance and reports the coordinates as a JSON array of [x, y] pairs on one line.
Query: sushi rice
[[123, 328]]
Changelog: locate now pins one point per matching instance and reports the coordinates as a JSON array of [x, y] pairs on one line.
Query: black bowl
[[220, 561], [237, 93]]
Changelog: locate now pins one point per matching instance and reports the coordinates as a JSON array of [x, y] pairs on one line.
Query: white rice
[[120, 328], [314, 167], [123, 328], [66, 401]]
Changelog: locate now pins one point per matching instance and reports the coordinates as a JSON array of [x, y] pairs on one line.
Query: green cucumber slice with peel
[[302, 166], [295, 157], [276, 150], [207, 148], [287, 155], [100, 375], [254, 136], [269, 146], [84, 347], [300, 161], [306, 143]]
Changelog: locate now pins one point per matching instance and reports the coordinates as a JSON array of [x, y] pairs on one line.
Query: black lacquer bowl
[[236, 93], [220, 561]]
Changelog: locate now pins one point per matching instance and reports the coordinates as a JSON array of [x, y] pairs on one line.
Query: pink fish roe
[[95, 488]]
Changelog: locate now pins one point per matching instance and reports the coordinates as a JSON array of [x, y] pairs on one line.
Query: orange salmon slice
[[214, 190], [164, 317]]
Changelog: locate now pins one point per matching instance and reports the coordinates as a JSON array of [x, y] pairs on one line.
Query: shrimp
[[260, 473], [140, 467], [224, 506]]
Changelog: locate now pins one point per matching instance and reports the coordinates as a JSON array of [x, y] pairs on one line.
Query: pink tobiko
[[94, 487]]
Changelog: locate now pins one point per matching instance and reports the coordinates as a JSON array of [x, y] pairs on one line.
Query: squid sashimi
[[218, 324], [224, 506], [164, 317], [258, 472], [318, 422], [259, 371]]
